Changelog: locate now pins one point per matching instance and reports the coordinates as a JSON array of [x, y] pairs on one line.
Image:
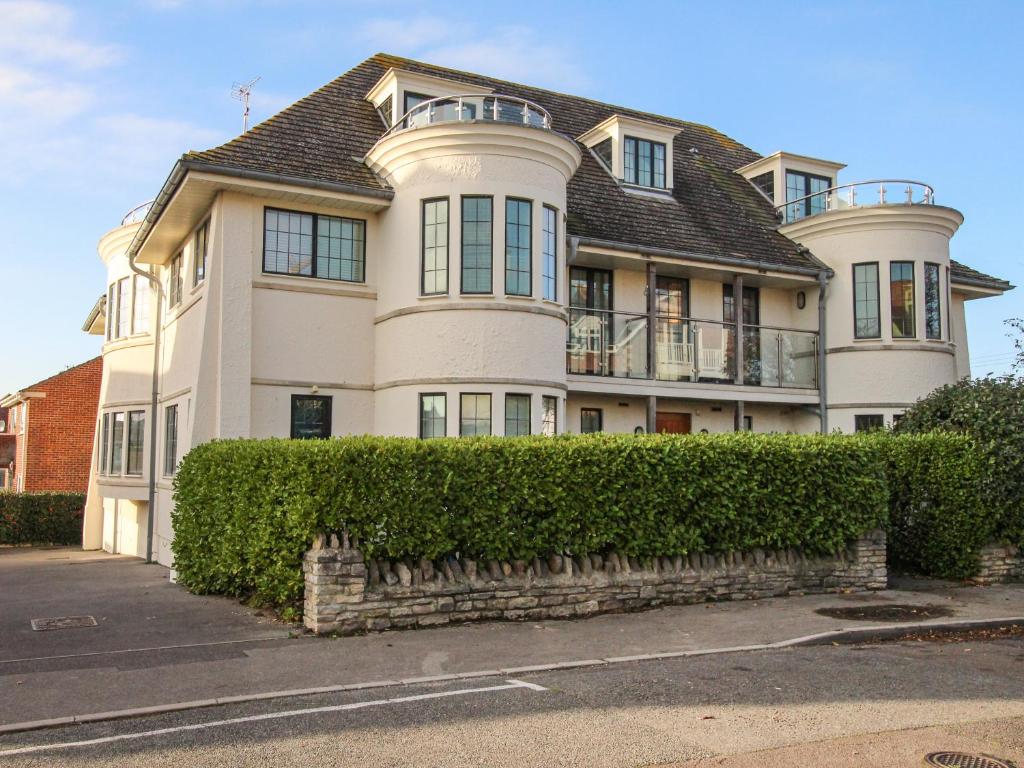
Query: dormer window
[[644, 162], [604, 153]]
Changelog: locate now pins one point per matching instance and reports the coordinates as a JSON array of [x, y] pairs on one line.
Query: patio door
[[590, 303], [751, 331], [670, 423]]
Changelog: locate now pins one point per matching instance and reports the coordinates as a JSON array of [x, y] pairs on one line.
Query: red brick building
[[53, 423]]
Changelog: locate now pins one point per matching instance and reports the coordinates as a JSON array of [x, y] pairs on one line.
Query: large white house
[[417, 251]]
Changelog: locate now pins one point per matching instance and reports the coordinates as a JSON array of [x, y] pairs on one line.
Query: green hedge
[[41, 518], [246, 510]]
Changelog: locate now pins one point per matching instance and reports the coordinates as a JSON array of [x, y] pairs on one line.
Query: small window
[[175, 287], [200, 247], [806, 192], [385, 111], [868, 422], [901, 291], [435, 247], [474, 415], [748, 423], [124, 307], [170, 440], [866, 320], [309, 245], [104, 457], [644, 162], [591, 420], [604, 153], [766, 183], [116, 442], [549, 272], [140, 310], [410, 100], [932, 302], [549, 415], [477, 256], [136, 433], [433, 415], [517, 415], [518, 247], [111, 308], [311, 417]]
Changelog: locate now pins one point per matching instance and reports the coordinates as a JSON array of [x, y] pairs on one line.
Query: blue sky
[[97, 100]]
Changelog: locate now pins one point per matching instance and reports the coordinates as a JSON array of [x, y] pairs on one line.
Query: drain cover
[[964, 760], [63, 622], [886, 612]]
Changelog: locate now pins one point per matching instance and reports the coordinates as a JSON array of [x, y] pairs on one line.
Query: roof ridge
[[59, 373]]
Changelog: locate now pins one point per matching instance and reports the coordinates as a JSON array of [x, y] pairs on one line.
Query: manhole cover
[[887, 612], [963, 760], [63, 622]]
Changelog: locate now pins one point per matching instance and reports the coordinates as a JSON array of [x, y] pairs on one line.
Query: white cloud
[[27, 95], [518, 53], [43, 32]]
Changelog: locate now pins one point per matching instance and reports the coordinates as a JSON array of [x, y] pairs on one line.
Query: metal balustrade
[[464, 108], [138, 213], [858, 194]]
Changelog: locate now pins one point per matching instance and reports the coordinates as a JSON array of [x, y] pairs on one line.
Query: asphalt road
[[873, 705]]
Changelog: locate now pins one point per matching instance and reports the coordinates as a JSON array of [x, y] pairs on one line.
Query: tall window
[[136, 432], [518, 246], [116, 442], [868, 422], [104, 457], [932, 302], [200, 248], [140, 310], [124, 307], [311, 416], [111, 321], [435, 247], [433, 415], [517, 415], [474, 415], [867, 323], [644, 162], [310, 245], [549, 270], [477, 217], [170, 440], [901, 292], [591, 420], [174, 289], [800, 185], [549, 415]]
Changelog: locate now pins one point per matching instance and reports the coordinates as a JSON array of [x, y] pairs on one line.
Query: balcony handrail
[[138, 213], [829, 194], [689, 319], [496, 100]]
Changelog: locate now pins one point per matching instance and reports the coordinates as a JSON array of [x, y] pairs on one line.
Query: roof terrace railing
[[857, 194], [137, 214], [464, 108]]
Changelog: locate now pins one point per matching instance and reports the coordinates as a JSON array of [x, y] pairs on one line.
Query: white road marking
[[508, 685]]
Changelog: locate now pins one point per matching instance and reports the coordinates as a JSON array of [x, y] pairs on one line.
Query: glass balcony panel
[[607, 343]]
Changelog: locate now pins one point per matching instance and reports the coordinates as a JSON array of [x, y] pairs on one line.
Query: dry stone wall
[[348, 594], [1000, 562]]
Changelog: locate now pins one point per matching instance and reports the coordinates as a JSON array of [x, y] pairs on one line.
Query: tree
[[1017, 324]]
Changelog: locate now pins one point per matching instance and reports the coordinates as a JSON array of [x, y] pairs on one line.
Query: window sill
[[517, 297], [432, 296]]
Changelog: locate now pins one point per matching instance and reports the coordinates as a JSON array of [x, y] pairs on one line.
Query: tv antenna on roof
[[241, 92]]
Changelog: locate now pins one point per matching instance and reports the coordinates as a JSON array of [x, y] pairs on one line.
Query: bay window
[[433, 415], [517, 415], [932, 302], [518, 246], [867, 323], [474, 414], [477, 223], [434, 279], [901, 293]]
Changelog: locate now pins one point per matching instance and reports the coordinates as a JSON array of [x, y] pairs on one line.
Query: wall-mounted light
[[801, 299]]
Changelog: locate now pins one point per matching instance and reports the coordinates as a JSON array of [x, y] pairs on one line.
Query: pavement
[[156, 645]]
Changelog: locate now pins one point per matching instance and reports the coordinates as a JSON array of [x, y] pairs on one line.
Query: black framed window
[[111, 310], [751, 304], [311, 245], [549, 415], [932, 302], [435, 247], [591, 420], [590, 288], [766, 183], [673, 296], [140, 306], [170, 440], [800, 185], [474, 414], [517, 415], [644, 162], [901, 299], [433, 415], [311, 417], [136, 434], [868, 422], [124, 307], [604, 152], [518, 246], [410, 100], [200, 248], [116, 442], [867, 321], [748, 423], [175, 286], [549, 267], [477, 254], [104, 457]]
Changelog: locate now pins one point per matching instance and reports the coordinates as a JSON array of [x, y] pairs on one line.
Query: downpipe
[[822, 380]]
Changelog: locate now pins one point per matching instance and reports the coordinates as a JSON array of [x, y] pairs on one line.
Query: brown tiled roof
[[963, 273], [713, 212]]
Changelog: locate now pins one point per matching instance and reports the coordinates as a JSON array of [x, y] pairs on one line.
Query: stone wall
[[347, 594], [1000, 562]]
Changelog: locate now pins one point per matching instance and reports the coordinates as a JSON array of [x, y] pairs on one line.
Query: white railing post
[[881, 193]]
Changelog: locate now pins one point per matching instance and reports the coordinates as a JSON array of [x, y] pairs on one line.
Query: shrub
[[41, 518], [246, 510], [990, 410]]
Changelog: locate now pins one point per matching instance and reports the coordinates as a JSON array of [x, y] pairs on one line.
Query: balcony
[[617, 344], [860, 194], [460, 109]]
